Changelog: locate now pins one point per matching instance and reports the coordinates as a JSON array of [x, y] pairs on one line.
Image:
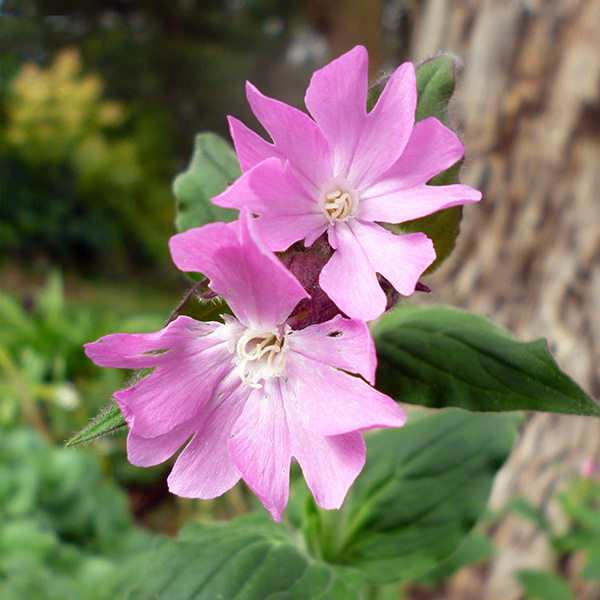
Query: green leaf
[[435, 85], [540, 585], [214, 165], [107, 421], [476, 547], [422, 490], [249, 559], [440, 357]]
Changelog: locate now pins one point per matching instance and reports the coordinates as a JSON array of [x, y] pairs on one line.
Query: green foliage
[[422, 490], [45, 373], [214, 165], [250, 558], [441, 357], [79, 170], [64, 530], [540, 585]]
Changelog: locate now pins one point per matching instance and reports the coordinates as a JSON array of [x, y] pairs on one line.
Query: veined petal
[[140, 350], [147, 452], [259, 289], [288, 213], [398, 206], [330, 464], [401, 259], [331, 402], [387, 128], [296, 136], [342, 343], [191, 378], [189, 361], [260, 447], [349, 279], [431, 149], [250, 148], [204, 469], [337, 100]]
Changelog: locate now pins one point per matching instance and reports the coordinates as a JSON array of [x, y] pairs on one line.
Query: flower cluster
[[290, 374]]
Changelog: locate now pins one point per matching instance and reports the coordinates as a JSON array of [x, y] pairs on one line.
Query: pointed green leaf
[[422, 490], [107, 421], [435, 85], [440, 357], [246, 559], [213, 167]]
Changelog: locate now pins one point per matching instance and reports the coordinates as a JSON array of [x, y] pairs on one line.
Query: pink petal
[[431, 149], [342, 343], [205, 469], [387, 128], [331, 402], [260, 447], [398, 206], [250, 148], [260, 291], [401, 259], [337, 100], [175, 391], [138, 350], [329, 464], [147, 452], [296, 136], [349, 279]]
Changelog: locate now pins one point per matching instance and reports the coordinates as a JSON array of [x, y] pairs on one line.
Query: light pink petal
[[250, 148], [331, 402], [342, 343], [296, 136], [147, 452], [260, 447], [431, 149], [330, 464], [337, 100], [401, 259], [387, 128], [260, 291], [398, 206], [205, 468], [349, 279], [175, 391], [138, 350], [281, 232]]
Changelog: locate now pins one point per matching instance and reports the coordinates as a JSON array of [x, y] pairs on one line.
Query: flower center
[[261, 356], [339, 205], [338, 200]]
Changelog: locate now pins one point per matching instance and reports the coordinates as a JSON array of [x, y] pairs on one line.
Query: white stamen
[[339, 204], [265, 344]]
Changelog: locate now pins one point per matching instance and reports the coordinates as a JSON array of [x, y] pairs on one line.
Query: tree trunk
[[528, 110]]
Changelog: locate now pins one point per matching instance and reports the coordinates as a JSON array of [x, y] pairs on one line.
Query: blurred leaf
[[440, 357], [422, 490], [540, 585], [476, 547], [214, 165], [250, 558]]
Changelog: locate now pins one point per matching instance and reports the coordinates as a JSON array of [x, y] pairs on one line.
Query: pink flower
[[344, 172], [250, 392]]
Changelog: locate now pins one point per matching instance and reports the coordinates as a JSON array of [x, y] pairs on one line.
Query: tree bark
[[528, 110]]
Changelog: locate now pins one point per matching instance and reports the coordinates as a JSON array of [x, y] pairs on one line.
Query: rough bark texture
[[528, 109]]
